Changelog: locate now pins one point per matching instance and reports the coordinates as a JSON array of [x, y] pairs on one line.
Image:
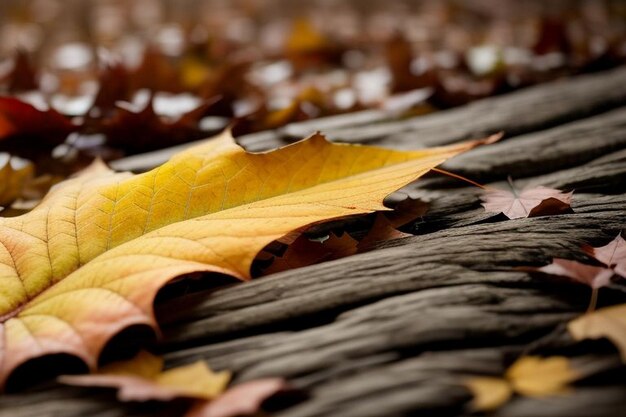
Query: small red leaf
[[613, 253], [531, 202], [594, 276]]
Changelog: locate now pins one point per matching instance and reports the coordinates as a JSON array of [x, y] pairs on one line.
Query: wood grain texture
[[393, 332]]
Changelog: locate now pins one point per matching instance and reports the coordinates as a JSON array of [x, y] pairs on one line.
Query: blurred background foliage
[[108, 78]]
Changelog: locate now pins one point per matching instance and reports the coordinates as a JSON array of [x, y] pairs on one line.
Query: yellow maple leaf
[[87, 262], [609, 322], [530, 376], [489, 392], [142, 378]]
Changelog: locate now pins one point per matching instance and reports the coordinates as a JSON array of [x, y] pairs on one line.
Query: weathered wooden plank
[[459, 207], [546, 151], [414, 264], [430, 385], [527, 110]]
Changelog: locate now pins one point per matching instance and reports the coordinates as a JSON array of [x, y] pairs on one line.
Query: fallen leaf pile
[[88, 261]]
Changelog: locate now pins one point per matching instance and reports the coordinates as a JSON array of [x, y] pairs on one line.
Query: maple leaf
[[113, 85], [406, 211], [155, 72], [399, 57], [386, 224], [591, 275], [14, 175], [530, 376], [142, 378], [530, 202], [594, 276], [89, 259], [612, 254], [382, 230], [135, 129], [607, 322], [304, 251]]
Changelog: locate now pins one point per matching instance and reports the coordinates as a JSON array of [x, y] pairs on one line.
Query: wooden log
[[393, 332], [527, 110]]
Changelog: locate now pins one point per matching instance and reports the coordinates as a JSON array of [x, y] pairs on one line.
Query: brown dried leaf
[[137, 130], [304, 252], [382, 230], [406, 211]]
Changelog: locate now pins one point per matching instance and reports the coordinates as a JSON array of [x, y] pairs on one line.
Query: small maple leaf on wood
[[406, 211], [607, 322], [382, 230], [530, 202], [530, 376], [142, 378], [304, 251], [591, 275], [386, 224], [612, 254]]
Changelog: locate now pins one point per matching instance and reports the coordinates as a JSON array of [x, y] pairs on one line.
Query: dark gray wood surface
[[393, 332]]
